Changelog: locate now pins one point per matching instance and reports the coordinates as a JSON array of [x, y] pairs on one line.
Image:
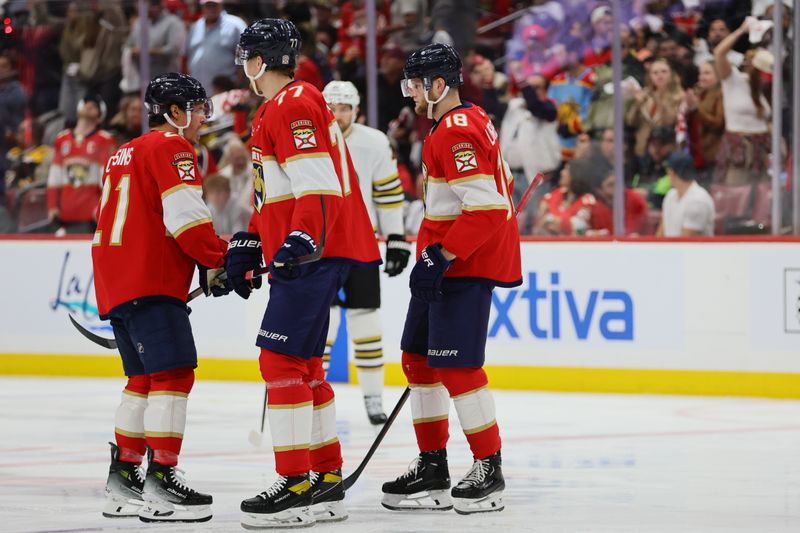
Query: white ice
[[573, 462]]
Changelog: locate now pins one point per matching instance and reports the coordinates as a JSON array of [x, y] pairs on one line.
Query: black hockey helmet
[[174, 88], [434, 61], [276, 41]]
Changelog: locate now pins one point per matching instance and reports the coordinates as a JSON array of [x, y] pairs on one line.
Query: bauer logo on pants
[[303, 133]]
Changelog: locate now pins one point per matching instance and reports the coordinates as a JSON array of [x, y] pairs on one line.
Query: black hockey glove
[[428, 273], [297, 244], [244, 254], [213, 281], [398, 251]]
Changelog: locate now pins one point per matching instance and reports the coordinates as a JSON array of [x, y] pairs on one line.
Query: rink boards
[[700, 317]]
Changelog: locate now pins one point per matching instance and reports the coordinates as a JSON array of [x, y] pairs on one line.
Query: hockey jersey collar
[[464, 105]]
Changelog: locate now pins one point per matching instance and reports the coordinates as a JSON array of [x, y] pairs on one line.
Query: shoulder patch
[[464, 157], [184, 162], [303, 131]]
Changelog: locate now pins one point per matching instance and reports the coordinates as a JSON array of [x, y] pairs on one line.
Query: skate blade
[[329, 511], [488, 504], [163, 511], [290, 518], [119, 507], [430, 500]]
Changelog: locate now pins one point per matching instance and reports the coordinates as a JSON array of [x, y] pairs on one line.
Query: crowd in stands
[[696, 87]]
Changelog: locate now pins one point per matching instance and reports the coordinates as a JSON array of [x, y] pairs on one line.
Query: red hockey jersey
[[152, 225], [468, 206], [73, 184], [300, 164]]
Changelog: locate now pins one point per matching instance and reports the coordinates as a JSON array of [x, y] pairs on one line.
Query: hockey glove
[[297, 244], [398, 251], [244, 254], [213, 281], [428, 273]]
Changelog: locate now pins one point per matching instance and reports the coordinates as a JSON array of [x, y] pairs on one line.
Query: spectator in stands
[[598, 50], [73, 86], [101, 57], [167, 41], [29, 161], [602, 219], [390, 97], [127, 123], [717, 30], [407, 25], [308, 64], [227, 215], [75, 178], [744, 151], [12, 111], [567, 210], [537, 57], [572, 91], [652, 179], [211, 43], [705, 120], [656, 105], [688, 208], [236, 166]]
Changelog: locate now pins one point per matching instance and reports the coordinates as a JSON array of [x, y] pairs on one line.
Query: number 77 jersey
[[303, 175], [468, 205]]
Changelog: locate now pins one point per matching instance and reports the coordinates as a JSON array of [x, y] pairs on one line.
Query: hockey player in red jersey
[[312, 227], [73, 182], [153, 228], [467, 245]]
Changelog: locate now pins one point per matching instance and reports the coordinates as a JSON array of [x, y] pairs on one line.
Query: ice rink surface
[[572, 462]]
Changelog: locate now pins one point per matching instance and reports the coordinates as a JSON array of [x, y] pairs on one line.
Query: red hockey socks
[[129, 420], [475, 407], [430, 404], [325, 451], [165, 415], [290, 407]]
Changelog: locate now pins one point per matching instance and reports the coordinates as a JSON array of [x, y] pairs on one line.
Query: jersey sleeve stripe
[[392, 205], [300, 157], [177, 188], [274, 199], [384, 181], [472, 177], [488, 207], [395, 183], [313, 175], [183, 209], [389, 199], [392, 192], [439, 218]]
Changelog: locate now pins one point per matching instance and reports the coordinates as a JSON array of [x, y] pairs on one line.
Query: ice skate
[[286, 504], [327, 495], [425, 487], [123, 487], [481, 490], [374, 405], [168, 499]]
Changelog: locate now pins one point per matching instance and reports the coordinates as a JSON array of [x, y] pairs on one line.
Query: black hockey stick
[[352, 478], [256, 436]]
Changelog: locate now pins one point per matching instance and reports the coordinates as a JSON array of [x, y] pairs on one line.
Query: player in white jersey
[[377, 175]]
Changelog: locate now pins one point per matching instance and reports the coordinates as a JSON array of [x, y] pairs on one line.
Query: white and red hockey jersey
[[468, 205], [301, 162], [153, 226], [73, 184]]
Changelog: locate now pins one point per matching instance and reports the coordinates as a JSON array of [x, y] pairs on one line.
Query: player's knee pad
[[471, 397], [280, 370], [138, 384], [417, 371], [462, 380], [176, 379]]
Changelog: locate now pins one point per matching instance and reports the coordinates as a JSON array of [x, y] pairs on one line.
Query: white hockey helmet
[[341, 92]]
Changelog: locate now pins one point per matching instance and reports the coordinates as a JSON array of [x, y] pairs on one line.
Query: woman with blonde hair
[[655, 106], [705, 119]]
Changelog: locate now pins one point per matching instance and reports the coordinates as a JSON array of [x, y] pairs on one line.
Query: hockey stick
[[256, 436], [537, 180], [352, 478]]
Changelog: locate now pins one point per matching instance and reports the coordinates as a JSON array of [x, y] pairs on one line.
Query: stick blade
[[255, 438], [110, 344]]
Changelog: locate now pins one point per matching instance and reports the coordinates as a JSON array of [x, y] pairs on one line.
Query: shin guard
[[430, 404], [129, 419], [475, 407], [165, 415], [325, 451]]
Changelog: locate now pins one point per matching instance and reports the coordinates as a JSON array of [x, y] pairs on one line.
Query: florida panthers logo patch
[[184, 162], [303, 133], [464, 156]]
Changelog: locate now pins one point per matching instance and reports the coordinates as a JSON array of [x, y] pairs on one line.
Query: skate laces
[[179, 478], [477, 473], [275, 488], [313, 477], [413, 468]]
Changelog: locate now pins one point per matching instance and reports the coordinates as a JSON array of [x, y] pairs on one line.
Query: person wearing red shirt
[[567, 209], [602, 218], [311, 226], [73, 183], [468, 244], [152, 229]]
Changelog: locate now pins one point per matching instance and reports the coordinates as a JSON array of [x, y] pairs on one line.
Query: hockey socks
[[325, 453], [468, 387], [165, 415], [129, 420], [430, 404]]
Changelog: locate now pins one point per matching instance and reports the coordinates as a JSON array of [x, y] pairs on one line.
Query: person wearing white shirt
[[688, 209], [211, 43], [383, 196]]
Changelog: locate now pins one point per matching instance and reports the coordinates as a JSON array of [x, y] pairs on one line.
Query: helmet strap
[[253, 79], [179, 128], [432, 103]]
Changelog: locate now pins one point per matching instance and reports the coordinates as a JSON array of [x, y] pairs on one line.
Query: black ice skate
[[327, 496], [481, 490], [168, 499], [374, 405], [285, 504], [424, 487], [123, 487]]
